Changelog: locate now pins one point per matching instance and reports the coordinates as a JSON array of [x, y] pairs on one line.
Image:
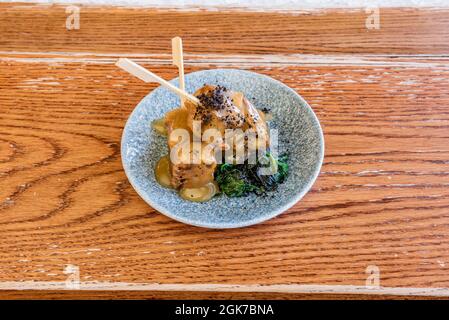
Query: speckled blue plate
[[300, 135]]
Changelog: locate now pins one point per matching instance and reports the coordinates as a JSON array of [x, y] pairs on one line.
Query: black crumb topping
[[202, 114], [216, 99]]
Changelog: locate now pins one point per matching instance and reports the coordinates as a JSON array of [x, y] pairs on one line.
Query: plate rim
[[273, 213]]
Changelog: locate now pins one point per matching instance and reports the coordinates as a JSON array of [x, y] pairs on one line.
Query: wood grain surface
[[163, 295], [382, 197]]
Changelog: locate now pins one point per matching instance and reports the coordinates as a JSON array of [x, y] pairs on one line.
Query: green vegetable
[[232, 181], [241, 179]]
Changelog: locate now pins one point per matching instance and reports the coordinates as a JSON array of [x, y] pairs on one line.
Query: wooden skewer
[[148, 76], [178, 60]]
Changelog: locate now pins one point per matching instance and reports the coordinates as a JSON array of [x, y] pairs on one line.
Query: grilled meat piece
[[220, 109]]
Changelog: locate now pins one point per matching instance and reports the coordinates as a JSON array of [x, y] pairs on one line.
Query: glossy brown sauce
[[162, 172]]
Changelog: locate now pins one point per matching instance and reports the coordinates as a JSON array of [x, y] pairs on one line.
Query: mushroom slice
[[200, 194]]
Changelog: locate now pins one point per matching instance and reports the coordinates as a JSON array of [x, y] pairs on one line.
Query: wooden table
[[381, 200]]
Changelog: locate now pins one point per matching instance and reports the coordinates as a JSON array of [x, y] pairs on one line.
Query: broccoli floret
[[232, 181], [240, 179], [269, 182]]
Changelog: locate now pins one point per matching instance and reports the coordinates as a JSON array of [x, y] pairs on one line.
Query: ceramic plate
[[300, 136]]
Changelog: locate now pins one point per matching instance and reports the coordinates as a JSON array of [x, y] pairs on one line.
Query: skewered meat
[[185, 173], [224, 109], [220, 109]]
